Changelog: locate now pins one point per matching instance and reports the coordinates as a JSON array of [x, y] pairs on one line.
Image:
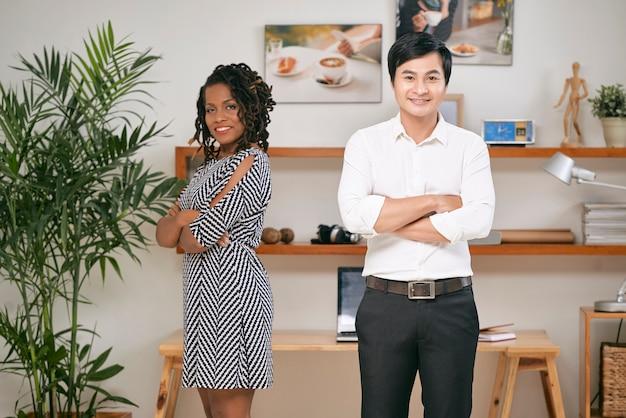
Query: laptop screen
[[351, 286]]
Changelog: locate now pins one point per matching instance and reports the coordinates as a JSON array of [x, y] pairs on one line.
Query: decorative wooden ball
[[286, 235], [270, 235]]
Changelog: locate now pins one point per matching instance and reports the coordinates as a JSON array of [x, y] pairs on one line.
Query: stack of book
[[495, 333], [604, 223]]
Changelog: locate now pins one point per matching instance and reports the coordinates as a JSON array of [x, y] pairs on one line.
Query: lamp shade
[[560, 166]]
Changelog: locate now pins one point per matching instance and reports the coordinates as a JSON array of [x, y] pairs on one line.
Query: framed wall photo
[[478, 32], [452, 109], [324, 63], [188, 159]]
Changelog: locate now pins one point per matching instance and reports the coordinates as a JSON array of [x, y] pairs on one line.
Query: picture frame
[[324, 63], [187, 160], [477, 32], [452, 109]]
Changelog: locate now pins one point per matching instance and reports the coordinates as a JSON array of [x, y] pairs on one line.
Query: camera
[[335, 234]]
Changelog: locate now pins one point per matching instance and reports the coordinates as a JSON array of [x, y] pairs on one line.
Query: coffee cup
[[432, 17], [332, 68]]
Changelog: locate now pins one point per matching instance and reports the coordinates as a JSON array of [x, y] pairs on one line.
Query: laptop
[[350, 290]]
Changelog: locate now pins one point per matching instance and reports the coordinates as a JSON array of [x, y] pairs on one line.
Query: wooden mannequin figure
[[571, 113]]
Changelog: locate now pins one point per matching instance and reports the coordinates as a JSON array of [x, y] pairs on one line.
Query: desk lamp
[[563, 168]]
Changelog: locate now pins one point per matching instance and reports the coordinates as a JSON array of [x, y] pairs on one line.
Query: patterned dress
[[227, 297]]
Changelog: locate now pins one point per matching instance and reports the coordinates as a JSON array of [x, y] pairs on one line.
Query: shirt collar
[[439, 133]]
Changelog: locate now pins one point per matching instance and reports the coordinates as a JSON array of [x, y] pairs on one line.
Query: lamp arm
[[621, 291], [598, 183]]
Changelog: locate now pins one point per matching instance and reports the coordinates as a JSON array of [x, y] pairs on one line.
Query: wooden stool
[[516, 358], [171, 376]]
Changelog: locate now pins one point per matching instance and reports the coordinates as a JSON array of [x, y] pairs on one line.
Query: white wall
[[194, 36]]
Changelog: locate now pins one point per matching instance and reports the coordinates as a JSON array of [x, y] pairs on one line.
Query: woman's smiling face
[[222, 116]]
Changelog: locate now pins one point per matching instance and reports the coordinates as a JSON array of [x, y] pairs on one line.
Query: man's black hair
[[413, 45]]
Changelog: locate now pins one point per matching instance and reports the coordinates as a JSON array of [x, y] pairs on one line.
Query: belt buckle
[[431, 289]]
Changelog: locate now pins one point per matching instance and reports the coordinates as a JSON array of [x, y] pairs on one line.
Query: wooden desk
[[584, 352], [532, 350]]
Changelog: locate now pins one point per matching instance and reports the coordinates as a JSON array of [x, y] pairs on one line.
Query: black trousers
[[399, 336]]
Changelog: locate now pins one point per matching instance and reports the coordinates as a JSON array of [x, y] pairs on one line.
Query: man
[[419, 188]]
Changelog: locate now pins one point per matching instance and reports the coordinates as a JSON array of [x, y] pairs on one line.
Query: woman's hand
[[173, 211], [169, 227], [185, 217], [224, 240]]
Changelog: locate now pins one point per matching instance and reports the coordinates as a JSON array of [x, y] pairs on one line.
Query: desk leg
[[496, 392], [513, 363], [174, 388], [164, 388], [555, 388]]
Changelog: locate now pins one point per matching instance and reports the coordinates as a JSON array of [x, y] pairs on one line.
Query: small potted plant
[[610, 107]]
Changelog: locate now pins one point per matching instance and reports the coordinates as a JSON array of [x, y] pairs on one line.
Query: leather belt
[[419, 289]]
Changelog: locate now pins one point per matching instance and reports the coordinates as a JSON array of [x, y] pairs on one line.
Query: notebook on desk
[[350, 289]]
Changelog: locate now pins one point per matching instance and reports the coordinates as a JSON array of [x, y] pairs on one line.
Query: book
[[493, 336], [497, 332]]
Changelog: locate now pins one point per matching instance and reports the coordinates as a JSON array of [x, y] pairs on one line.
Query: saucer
[[345, 80]]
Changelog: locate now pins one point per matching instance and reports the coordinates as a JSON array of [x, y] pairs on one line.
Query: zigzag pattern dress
[[227, 297]]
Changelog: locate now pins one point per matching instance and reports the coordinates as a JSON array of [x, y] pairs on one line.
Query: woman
[[218, 221]]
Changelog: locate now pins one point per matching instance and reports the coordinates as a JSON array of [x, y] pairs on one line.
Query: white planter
[[614, 130]]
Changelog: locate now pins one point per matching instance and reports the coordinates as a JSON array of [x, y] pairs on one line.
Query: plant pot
[[614, 130], [101, 414]]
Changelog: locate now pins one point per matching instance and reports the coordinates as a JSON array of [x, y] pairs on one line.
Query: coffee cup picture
[[332, 68], [325, 63]]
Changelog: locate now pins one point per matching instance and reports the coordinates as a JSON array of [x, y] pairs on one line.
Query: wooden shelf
[[547, 249], [504, 249], [303, 248], [530, 152], [321, 152], [494, 152]]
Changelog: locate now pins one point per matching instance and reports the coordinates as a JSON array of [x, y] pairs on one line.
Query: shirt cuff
[[208, 227], [445, 225], [370, 210]]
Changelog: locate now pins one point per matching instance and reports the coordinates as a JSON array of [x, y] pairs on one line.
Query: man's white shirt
[[383, 161]]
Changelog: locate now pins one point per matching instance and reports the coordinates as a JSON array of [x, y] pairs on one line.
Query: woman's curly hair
[[254, 98]]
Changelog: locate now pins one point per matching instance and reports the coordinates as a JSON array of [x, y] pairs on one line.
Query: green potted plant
[[610, 107], [74, 198]]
